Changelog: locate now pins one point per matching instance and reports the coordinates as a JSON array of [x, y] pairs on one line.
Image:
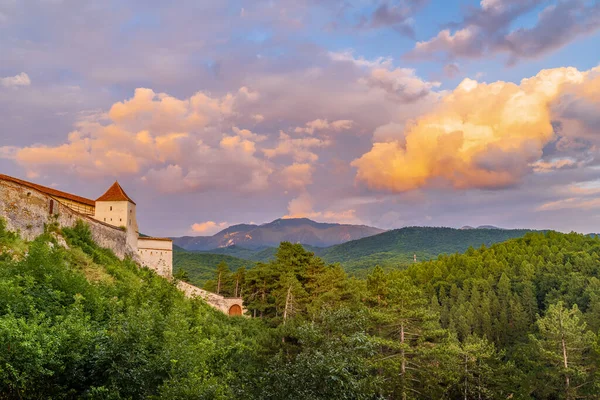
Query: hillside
[[200, 267], [299, 230], [493, 323], [389, 249], [397, 247]]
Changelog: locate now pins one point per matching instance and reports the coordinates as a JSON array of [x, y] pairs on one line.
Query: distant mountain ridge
[[295, 230], [393, 249], [398, 247]]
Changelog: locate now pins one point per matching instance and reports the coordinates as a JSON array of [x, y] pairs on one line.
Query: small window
[[120, 220], [104, 219], [110, 208]]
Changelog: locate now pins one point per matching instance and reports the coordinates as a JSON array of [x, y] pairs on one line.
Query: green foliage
[[516, 320], [200, 266], [136, 336], [391, 249], [397, 248]]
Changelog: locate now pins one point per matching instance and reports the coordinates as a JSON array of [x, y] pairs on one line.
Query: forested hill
[[397, 247], [394, 248], [518, 320]]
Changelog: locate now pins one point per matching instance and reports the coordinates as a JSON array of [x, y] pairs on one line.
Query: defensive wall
[[27, 209]]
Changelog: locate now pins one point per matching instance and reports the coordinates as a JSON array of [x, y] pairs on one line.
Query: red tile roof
[[115, 193], [50, 191]]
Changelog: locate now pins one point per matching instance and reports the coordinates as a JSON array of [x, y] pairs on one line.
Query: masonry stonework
[[230, 306], [27, 208], [28, 211]]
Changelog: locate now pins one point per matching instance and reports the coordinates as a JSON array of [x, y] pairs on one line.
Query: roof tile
[[115, 193], [49, 191]]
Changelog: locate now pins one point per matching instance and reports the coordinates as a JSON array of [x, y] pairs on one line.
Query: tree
[[239, 277], [409, 332], [223, 279], [566, 348]]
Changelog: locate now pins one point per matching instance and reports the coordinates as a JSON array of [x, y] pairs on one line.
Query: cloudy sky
[[381, 112]]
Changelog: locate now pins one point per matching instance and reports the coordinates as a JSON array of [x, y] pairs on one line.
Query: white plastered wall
[[156, 254], [121, 214]]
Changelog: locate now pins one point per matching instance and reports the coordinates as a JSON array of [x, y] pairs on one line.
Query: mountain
[[394, 248], [295, 230], [398, 247]]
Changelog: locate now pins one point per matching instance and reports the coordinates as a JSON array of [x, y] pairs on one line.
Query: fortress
[[27, 207]]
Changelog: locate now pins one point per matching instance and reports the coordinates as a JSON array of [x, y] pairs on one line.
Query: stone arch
[[235, 310]]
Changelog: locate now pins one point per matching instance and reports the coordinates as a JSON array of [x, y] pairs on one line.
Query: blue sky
[[388, 113]]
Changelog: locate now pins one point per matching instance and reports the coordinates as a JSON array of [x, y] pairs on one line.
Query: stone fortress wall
[[27, 208], [27, 211]]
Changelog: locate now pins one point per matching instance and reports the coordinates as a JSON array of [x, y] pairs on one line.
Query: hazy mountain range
[[394, 248], [295, 230]]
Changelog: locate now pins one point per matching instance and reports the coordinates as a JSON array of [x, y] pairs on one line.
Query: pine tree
[[566, 348]]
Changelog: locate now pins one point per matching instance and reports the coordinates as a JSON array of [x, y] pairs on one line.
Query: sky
[[388, 113]]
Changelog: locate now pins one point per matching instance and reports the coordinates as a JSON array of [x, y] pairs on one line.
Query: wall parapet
[[227, 305]]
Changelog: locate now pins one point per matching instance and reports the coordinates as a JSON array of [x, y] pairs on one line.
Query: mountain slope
[[397, 247], [298, 230], [201, 267], [390, 249]]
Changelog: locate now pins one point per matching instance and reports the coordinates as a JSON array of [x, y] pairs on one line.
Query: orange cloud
[[297, 176], [302, 207], [208, 227], [175, 144], [480, 136]]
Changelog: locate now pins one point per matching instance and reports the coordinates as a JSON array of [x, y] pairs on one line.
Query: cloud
[[21, 79], [401, 84], [549, 166], [324, 125], [348, 56], [481, 135], [299, 149], [8, 152], [397, 15], [451, 70], [297, 176], [173, 144], [570, 203], [302, 207], [487, 30], [208, 227]]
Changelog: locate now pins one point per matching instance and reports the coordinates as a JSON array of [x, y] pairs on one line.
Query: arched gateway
[[235, 310]]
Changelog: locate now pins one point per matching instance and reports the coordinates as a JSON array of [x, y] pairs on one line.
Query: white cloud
[[21, 79], [208, 227]]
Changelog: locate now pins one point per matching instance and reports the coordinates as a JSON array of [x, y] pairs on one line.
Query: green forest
[[391, 249], [517, 320]]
